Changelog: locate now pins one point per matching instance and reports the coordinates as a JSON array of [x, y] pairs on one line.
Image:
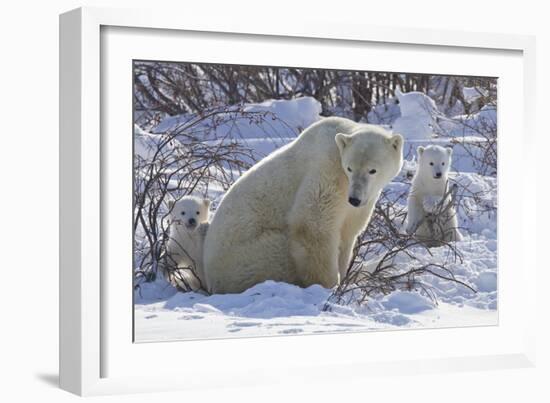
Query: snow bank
[[146, 144], [262, 127], [417, 116], [385, 114], [472, 93], [274, 308], [472, 124], [154, 291], [297, 114], [266, 300], [407, 302]]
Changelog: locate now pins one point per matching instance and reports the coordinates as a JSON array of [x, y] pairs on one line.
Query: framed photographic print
[[333, 189], [200, 128]]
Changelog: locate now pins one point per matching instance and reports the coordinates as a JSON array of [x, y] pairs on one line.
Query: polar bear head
[[434, 162], [189, 211], [371, 157]]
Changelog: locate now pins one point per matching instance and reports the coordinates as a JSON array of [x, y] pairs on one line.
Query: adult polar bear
[[295, 215]]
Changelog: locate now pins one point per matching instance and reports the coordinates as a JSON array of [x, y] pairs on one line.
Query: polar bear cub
[[188, 227], [430, 216]]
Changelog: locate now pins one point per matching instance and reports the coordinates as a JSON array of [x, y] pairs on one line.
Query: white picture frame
[[84, 344]]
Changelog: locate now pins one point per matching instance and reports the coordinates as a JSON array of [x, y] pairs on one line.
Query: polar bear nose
[[438, 175], [192, 221], [354, 202]]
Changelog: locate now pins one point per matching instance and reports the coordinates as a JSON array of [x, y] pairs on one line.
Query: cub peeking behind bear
[[188, 227]]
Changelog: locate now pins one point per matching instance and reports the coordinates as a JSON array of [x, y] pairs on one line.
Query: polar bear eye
[[198, 212], [431, 163], [349, 169], [183, 213], [442, 163], [372, 171]]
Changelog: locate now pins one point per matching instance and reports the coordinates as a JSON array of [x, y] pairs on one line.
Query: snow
[[469, 125], [275, 308], [145, 143], [385, 114], [417, 116], [473, 93], [262, 127], [486, 281], [407, 302]]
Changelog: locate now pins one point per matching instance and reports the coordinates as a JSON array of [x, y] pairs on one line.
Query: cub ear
[[396, 141], [206, 203], [420, 150], [449, 150], [342, 140]]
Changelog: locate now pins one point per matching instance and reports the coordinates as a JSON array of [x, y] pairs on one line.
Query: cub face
[[371, 157], [189, 211], [434, 161]]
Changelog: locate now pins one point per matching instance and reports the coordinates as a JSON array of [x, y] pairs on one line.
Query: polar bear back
[[268, 187]]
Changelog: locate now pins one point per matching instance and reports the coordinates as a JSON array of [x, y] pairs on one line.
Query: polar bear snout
[[191, 223], [437, 175], [358, 190], [354, 201]]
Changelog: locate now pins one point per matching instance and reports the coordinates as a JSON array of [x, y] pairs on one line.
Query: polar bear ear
[[420, 150], [449, 150], [396, 141], [342, 140], [206, 203]]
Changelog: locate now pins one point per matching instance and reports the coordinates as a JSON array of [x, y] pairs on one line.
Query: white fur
[[188, 228], [289, 219], [426, 196]]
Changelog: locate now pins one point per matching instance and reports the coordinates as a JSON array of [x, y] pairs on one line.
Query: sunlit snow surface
[[274, 308]]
